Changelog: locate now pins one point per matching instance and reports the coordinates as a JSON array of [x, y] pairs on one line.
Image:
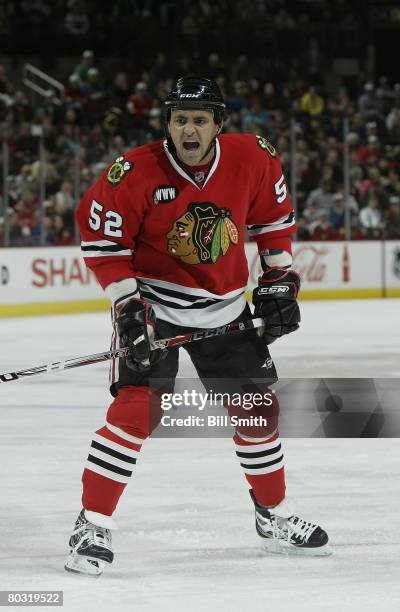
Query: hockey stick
[[165, 343]]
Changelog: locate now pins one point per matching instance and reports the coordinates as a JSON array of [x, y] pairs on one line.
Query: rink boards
[[55, 280]]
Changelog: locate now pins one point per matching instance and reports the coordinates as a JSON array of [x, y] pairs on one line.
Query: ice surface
[[186, 538]]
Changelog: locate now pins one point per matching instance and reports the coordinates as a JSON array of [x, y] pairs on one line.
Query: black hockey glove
[[275, 301], [136, 329]]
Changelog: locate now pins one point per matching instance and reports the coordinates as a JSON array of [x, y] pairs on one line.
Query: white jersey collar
[[185, 174]]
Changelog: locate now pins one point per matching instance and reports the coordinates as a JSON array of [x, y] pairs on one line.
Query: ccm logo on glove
[[274, 289], [275, 301]]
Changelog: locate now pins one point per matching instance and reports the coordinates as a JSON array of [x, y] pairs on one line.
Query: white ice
[[186, 539]]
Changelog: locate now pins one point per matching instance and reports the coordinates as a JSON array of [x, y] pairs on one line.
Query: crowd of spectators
[[126, 26], [67, 141]]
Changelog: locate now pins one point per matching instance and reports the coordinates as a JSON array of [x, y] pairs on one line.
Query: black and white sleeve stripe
[[279, 224], [103, 248]]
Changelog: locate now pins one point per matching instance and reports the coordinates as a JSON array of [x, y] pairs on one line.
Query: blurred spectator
[[240, 70], [77, 20], [371, 129], [322, 197], [392, 221], [356, 231], [215, 66], [66, 237], [139, 105], [368, 102], [119, 90], [36, 12], [155, 129], [370, 154], [86, 63], [50, 237], [323, 229], [93, 87], [64, 198], [240, 98], [333, 166], [269, 98], [117, 147], [312, 103], [336, 214], [372, 181], [384, 94], [255, 119], [371, 218], [74, 92], [393, 125], [21, 109], [23, 218], [50, 173], [113, 121], [303, 233]]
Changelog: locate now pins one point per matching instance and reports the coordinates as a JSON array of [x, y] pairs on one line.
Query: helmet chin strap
[[211, 145]]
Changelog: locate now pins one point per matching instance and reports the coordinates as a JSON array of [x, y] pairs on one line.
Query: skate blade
[[78, 564], [278, 547]]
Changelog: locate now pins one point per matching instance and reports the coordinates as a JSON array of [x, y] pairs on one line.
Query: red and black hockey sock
[[262, 462], [131, 418], [109, 466]]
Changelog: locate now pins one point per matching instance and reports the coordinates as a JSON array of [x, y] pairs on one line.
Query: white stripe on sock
[[122, 434], [115, 446]]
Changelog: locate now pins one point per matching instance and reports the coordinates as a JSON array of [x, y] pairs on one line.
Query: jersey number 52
[[112, 220], [280, 190]]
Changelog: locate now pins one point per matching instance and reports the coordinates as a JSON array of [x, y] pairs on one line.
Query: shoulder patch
[[265, 144], [165, 193], [118, 170]]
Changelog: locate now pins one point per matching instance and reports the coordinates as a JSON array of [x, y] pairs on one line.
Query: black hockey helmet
[[194, 92]]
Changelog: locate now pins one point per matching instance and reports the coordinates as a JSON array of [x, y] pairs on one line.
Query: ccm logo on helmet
[[189, 95], [274, 289]]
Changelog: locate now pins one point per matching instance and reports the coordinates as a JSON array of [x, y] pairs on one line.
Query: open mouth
[[190, 146]]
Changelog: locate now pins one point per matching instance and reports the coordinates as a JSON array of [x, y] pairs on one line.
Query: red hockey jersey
[[147, 218]]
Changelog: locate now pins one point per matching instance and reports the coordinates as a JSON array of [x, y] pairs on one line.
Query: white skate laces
[[293, 529], [90, 543], [284, 532], [92, 536]]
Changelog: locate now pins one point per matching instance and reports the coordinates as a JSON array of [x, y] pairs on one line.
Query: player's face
[[192, 132]]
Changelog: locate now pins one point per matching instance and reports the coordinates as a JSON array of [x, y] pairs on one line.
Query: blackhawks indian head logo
[[202, 234]]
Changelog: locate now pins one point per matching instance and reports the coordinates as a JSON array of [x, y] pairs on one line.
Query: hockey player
[[163, 230]]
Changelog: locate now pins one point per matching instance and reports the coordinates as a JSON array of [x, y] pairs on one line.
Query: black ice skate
[[90, 544], [284, 532]]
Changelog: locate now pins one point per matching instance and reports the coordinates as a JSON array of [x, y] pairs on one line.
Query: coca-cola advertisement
[[310, 262]]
